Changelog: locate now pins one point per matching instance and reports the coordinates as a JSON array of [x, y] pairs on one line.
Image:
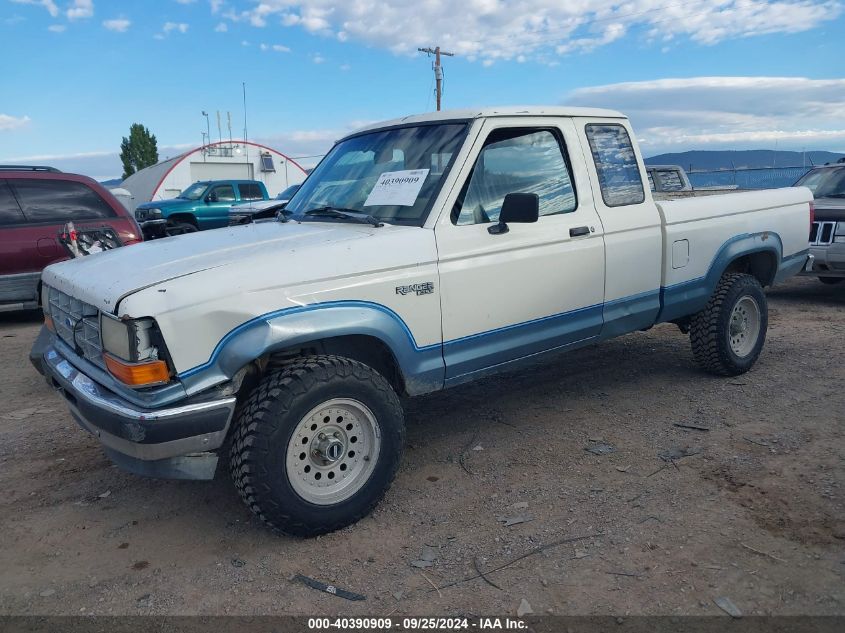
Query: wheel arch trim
[[422, 367]]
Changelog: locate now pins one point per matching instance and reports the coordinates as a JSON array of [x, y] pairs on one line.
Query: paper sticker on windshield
[[399, 188]]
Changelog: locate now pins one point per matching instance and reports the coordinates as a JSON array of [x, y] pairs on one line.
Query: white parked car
[[421, 253]]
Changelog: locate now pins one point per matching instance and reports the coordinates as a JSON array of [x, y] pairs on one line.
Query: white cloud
[[317, 58], [186, 1], [9, 122], [119, 25], [57, 28], [215, 5], [727, 112], [180, 27], [222, 27], [80, 9], [50, 5], [545, 29], [274, 47]]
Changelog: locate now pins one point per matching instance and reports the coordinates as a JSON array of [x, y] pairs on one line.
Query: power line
[[438, 69]]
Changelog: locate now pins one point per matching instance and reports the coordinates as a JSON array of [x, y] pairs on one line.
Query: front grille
[[77, 324], [821, 233]]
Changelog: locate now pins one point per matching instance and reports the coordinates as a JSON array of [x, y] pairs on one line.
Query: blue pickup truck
[[203, 205]]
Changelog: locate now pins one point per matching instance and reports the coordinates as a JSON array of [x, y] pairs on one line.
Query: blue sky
[[709, 74]]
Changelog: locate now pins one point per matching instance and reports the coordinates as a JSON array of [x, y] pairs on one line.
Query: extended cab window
[[616, 164], [10, 212], [516, 161], [250, 191], [223, 193], [59, 201]]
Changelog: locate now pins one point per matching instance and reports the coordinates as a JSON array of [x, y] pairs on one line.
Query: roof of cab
[[478, 113]]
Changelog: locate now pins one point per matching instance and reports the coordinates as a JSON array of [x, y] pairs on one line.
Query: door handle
[[579, 230]]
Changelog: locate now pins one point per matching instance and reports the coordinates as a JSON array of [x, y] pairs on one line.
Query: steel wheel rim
[[333, 451], [744, 326]]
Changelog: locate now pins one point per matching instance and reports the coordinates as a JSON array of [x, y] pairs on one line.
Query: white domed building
[[225, 160]]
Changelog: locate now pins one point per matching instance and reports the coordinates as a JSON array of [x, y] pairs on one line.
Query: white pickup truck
[[420, 254]]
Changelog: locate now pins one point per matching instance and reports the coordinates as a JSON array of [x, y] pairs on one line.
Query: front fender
[[422, 368]]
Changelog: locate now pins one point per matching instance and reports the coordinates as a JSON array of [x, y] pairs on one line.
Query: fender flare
[[422, 367], [688, 297]]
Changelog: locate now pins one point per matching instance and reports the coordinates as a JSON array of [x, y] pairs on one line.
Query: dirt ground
[[756, 515]]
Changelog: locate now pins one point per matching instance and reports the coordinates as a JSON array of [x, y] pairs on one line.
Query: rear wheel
[[727, 336], [317, 444], [831, 280]]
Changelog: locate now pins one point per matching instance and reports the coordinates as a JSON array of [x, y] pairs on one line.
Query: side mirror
[[212, 197], [517, 207]]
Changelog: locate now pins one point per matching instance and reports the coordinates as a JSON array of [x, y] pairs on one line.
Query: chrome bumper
[[808, 267], [171, 442]]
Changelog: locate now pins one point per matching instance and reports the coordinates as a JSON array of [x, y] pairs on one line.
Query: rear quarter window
[[250, 191], [10, 212], [55, 201], [616, 164]]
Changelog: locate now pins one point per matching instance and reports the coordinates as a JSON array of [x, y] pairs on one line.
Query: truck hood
[[102, 280], [828, 209]]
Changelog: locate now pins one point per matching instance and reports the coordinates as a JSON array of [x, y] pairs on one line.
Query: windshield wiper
[[339, 213]]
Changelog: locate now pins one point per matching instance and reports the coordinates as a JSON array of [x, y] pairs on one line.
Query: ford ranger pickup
[[421, 253]]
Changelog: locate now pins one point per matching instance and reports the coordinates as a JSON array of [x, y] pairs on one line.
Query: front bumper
[[153, 229], [174, 442], [828, 260]]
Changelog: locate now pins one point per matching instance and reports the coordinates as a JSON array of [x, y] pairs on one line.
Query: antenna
[[229, 121], [219, 131], [246, 136]]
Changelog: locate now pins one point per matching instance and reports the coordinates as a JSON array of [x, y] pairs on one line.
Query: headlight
[[142, 215], [129, 339], [132, 353]]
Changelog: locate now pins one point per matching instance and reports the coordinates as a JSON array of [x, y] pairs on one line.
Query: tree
[[138, 151]]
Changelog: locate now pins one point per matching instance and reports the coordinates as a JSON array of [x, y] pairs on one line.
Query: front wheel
[[180, 228], [727, 336], [317, 444]]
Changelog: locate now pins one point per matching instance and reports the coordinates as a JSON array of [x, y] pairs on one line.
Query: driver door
[[218, 201], [537, 287]]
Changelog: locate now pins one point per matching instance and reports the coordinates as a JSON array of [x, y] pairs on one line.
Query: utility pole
[[438, 69]]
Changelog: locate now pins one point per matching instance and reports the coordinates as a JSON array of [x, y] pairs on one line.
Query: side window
[[59, 201], [250, 191], [225, 193], [10, 212], [616, 164], [670, 180], [516, 160]]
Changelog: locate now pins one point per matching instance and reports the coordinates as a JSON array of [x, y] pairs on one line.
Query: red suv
[[35, 205]]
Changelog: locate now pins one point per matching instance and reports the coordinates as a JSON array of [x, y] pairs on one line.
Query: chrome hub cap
[[744, 326], [333, 451]]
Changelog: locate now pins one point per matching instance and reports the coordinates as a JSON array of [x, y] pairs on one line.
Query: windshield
[[287, 194], [195, 191], [825, 183], [392, 175]]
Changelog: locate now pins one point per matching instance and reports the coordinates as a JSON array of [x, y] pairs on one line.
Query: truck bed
[[699, 231]]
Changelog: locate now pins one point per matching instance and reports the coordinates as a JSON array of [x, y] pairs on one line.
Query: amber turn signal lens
[[138, 374], [48, 323]]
